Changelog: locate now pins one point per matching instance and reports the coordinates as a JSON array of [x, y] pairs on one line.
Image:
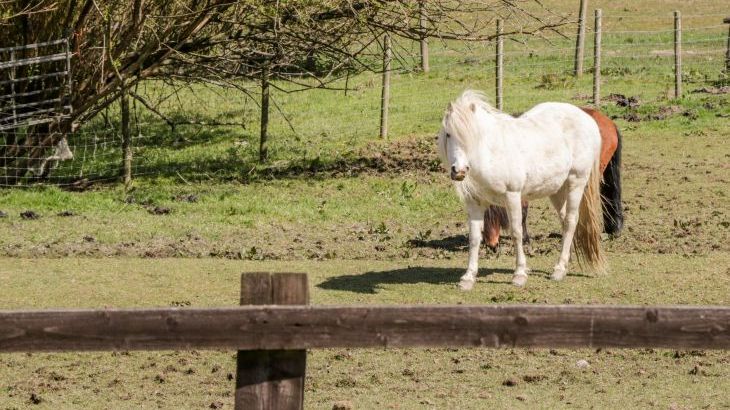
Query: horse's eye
[[448, 136]]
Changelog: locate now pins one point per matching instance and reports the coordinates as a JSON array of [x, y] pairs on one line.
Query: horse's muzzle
[[458, 176]]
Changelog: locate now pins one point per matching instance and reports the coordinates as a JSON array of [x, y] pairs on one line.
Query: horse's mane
[[459, 115], [478, 98], [459, 118]]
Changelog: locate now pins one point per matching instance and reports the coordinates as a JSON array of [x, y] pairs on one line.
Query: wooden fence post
[[424, 39], [580, 40], [499, 74], [271, 379], [264, 132], [126, 139], [385, 96], [597, 59], [726, 20], [677, 54]]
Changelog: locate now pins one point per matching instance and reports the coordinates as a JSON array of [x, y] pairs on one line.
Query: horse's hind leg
[[476, 224], [514, 210], [570, 220]]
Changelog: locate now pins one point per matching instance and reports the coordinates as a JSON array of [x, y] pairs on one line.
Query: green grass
[[675, 187], [321, 127], [375, 221], [369, 378]]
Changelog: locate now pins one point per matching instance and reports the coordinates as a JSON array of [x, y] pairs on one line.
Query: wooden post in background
[[726, 20], [264, 132], [271, 379], [580, 39], [597, 59], [385, 96], [424, 39], [126, 139], [499, 67], [677, 55]]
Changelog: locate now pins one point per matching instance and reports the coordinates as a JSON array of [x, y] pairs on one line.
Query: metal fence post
[[68, 75], [12, 86]]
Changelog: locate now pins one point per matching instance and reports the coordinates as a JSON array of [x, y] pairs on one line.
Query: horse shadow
[[454, 243], [370, 282]]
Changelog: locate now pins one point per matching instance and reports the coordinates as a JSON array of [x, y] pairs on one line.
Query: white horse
[[550, 151]]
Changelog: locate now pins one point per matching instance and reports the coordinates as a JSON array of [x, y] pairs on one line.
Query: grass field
[[400, 378], [374, 221]]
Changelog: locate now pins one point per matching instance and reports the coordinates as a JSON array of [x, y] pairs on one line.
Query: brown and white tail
[[587, 240]]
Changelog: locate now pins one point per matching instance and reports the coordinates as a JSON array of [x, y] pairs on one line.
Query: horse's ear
[[450, 108], [473, 107]]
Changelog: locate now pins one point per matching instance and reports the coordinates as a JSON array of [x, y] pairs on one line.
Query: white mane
[[459, 116], [458, 122], [478, 98]]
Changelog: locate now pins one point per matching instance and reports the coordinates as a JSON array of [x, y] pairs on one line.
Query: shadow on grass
[[370, 282], [454, 243], [229, 153]]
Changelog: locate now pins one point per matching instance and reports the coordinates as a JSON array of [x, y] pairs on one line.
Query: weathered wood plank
[[271, 379], [304, 327]]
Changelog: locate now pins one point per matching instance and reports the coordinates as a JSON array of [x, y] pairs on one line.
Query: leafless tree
[[117, 44]]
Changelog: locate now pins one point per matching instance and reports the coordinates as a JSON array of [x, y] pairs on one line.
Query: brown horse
[[495, 217]]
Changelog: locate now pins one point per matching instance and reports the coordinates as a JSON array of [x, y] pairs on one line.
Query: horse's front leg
[[514, 210], [525, 233], [476, 224]]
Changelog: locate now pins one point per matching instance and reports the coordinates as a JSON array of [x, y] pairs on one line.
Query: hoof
[[558, 274], [519, 280], [466, 285]]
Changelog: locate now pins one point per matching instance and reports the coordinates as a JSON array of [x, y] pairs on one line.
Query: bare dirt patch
[[713, 90]]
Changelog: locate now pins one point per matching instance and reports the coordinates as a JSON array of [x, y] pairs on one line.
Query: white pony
[[550, 151]]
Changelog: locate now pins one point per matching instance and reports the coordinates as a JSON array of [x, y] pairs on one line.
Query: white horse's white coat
[[494, 158]]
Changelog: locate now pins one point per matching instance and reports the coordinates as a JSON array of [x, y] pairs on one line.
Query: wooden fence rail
[[271, 338], [306, 327]]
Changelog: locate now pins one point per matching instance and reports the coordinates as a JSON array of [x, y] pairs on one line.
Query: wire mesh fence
[[218, 138]]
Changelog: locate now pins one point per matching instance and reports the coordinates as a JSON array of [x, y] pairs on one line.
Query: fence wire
[[319, 127]]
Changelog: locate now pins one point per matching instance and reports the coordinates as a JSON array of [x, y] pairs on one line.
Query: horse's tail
[[588, 231], [613, 213]]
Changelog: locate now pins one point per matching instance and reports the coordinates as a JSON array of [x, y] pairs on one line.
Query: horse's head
[[453, 156], [452, 144]]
